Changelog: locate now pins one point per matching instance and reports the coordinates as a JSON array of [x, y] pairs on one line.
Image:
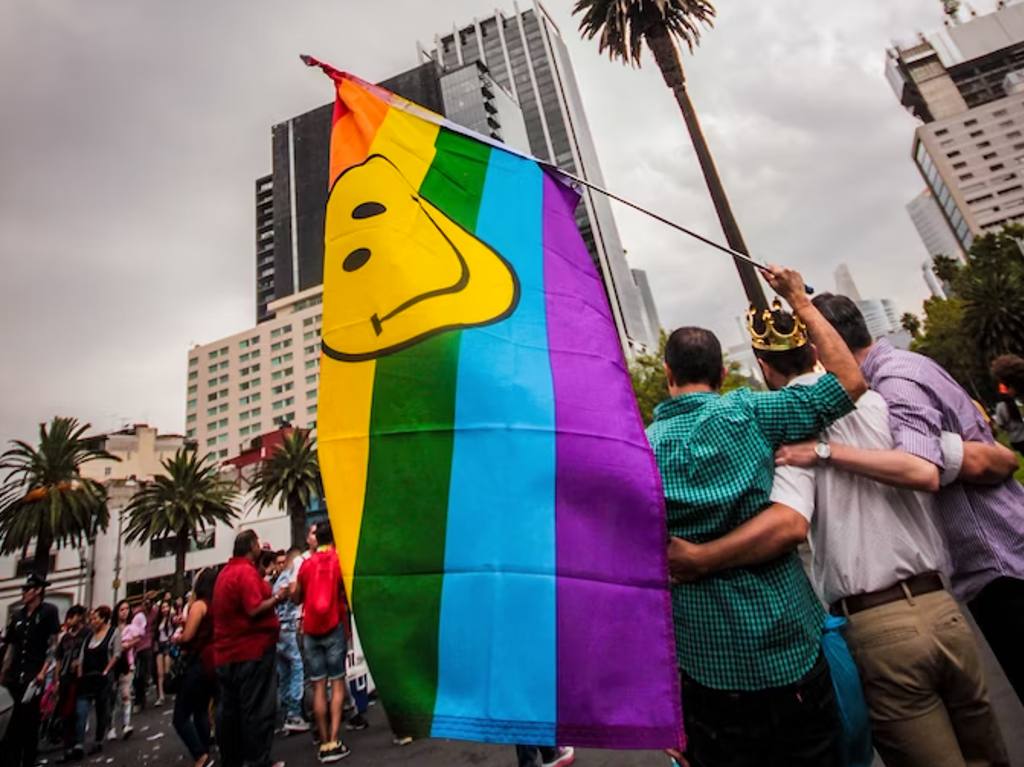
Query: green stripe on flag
[[400, 559], [455, 181]]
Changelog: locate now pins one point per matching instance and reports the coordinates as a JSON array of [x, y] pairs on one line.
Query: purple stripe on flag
[[614, 626]]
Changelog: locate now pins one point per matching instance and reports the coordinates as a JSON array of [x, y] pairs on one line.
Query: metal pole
[[672, 224]]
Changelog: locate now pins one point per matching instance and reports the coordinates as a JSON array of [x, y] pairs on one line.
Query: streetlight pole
[[129, 483]]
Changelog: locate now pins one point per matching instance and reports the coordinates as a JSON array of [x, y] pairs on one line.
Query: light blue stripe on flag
[[497, 645]]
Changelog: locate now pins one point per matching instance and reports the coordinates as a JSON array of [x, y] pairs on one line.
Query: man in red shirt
[[325, 632], [245, 630]]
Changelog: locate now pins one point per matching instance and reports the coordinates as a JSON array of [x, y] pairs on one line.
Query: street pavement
[[155, 743]]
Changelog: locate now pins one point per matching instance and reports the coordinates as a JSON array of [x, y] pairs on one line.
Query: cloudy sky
[[132, 132]]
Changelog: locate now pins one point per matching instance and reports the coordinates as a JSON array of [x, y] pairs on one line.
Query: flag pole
[[672, 224]]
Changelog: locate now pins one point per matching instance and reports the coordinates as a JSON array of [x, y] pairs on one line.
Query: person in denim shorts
[[319, 589]]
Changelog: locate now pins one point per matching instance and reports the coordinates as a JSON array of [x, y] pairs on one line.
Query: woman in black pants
[[192, 705], [98, 656]]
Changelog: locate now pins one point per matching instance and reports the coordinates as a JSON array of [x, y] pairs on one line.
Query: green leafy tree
[[911, 323], [44, 496], [290, 475], [650, 387], [189, 498], [945, 268], [945, 340], [991, 286], [621, 28]]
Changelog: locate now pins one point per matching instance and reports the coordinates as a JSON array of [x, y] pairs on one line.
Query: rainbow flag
[[496, 506]]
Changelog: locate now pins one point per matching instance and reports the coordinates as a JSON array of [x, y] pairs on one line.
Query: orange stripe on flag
[[357, 116]]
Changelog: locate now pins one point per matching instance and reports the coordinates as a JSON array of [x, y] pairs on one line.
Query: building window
[[954, 153], [210, 442], [959, 165], [988, 156], [969, 123], [191, 404], [976, 133], [193, 375], [311, 379], [193, 361], [983, 144], [311, 394], [312, 363], [310, 350], [997, 166], [192, 389], [942, 131], [999, 113]]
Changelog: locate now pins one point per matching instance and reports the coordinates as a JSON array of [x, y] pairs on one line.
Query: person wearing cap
[[877, 559], [28, 649], [748, 641]]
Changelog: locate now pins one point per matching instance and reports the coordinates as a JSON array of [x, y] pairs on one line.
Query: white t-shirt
[[865, 536]]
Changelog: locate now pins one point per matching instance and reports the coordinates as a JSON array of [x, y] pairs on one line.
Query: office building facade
[[966, 84], [525, 53]]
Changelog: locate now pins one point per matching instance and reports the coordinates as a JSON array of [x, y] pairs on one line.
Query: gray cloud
[[132, 133]]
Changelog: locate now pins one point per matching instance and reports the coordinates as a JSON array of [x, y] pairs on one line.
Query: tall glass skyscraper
[[526, 55]]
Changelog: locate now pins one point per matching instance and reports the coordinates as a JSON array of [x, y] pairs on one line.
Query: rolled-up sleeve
[[794, 487], [800, 412], [915, 421]]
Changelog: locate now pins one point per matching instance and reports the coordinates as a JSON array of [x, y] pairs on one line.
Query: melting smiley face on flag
[[398, 270]]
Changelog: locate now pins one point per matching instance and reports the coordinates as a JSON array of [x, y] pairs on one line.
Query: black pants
[[535, 756], [143, 666], [792, 726], [999, 612], [192, 709], [245, 714], [21, 741]]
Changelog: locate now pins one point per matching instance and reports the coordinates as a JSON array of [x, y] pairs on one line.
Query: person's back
[[982, 524], [717, 463]]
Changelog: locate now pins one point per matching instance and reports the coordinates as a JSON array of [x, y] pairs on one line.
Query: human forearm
[[890, 467], [775, 531], [267, 604], [833, 352], [987, 463]]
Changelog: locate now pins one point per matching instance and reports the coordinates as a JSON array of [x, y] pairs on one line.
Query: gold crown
[[765, 336]]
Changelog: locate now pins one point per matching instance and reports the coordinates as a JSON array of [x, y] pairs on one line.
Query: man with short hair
[[245, 637], [29, 646], [876, 559], [289, 659], [320, 590], [756, 687], [980, 511]]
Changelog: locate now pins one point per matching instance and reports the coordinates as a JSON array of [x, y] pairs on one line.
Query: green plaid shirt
[[745, 628]]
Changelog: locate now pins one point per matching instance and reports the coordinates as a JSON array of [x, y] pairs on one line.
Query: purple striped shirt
[[983, 525]]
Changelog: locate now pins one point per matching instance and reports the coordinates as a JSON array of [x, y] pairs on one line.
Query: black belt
[[923, 583]]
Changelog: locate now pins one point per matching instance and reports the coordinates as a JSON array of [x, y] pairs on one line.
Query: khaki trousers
[[924, 684]]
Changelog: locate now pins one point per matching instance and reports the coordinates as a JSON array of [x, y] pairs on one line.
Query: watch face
[[823, 451]]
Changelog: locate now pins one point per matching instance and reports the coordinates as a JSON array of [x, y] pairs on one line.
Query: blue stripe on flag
[[497, 642]]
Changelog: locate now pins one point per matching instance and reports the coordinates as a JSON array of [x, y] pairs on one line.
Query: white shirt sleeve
[[952, 457], [794, 487]]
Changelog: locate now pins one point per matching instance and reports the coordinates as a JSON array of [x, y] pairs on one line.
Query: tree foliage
[[984, 317], [911, 323], [291, 475], [44, 495], [189, 498], [622, 26]]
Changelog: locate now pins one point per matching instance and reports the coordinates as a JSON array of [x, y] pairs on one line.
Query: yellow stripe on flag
[[346, 388]]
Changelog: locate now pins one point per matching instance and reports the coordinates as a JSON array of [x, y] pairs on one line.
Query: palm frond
[[291, 475], [621, 26]]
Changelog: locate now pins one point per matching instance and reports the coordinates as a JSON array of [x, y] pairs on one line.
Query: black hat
[[34, 581]]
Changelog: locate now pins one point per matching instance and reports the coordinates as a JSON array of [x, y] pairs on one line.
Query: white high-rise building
[[931, 225], [845, 286], [257, 380]]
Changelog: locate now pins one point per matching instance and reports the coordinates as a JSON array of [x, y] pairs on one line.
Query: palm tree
[[44, 495], [290, 475], [911, 323], [946, 268], [622, 27], [180, 504]]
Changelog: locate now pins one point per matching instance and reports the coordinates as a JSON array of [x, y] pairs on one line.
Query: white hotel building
[[252, 382]]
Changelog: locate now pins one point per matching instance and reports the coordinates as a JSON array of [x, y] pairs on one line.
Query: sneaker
[[127, 732], [111, 734], [401, 740], [357, 722], [159, 702], [296, 724], [566, 756], [333, 752]]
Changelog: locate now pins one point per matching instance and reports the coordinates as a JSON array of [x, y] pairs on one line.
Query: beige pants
[[924, 684]]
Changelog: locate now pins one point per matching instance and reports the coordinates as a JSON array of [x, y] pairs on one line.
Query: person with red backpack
[[320, 590]]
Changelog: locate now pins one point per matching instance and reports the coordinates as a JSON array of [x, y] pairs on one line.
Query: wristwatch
[[823, 450]]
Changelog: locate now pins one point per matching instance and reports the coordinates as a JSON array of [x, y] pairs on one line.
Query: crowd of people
[[874, 457], [237, 654]]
